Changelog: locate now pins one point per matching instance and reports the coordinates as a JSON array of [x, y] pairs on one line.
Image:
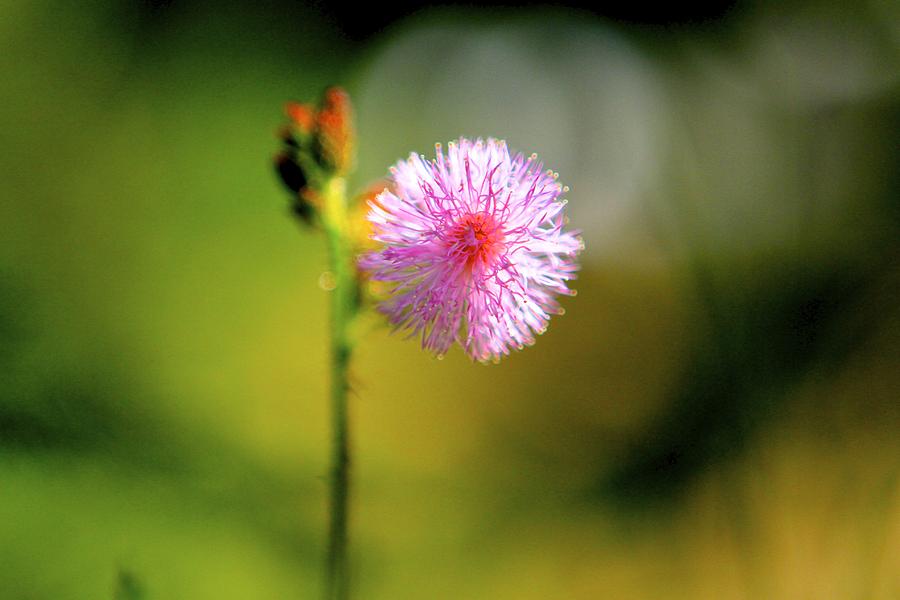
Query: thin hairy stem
[[337, 581]]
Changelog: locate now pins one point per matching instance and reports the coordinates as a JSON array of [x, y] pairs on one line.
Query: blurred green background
[[716, 416]]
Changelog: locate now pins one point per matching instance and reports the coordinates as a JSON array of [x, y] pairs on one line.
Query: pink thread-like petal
[[473, 247]]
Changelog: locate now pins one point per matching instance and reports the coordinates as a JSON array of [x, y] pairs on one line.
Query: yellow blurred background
[[716, 416]]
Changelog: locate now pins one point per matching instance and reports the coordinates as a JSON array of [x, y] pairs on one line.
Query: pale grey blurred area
[[581, 96], [765, 136]]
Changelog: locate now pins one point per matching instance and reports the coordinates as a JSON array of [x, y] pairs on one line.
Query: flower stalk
[[317, 152], [343, 309]]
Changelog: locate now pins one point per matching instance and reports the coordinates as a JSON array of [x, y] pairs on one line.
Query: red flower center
[[477, 239]]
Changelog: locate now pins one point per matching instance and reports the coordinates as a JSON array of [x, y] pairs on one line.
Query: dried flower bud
[[292, 176], [303, 210], [286, 135], [290, 172]]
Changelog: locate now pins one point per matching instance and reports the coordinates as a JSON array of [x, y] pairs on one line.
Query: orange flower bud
[[334, 135], [302, 116]]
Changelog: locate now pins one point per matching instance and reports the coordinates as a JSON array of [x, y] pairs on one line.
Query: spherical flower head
[[473, 246]]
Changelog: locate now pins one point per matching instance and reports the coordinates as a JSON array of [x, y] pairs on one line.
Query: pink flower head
[[473, 248]]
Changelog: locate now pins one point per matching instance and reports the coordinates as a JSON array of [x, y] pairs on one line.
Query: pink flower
[[473, 248]]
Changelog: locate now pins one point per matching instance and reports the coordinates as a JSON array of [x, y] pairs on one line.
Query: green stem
[[337, 585]]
